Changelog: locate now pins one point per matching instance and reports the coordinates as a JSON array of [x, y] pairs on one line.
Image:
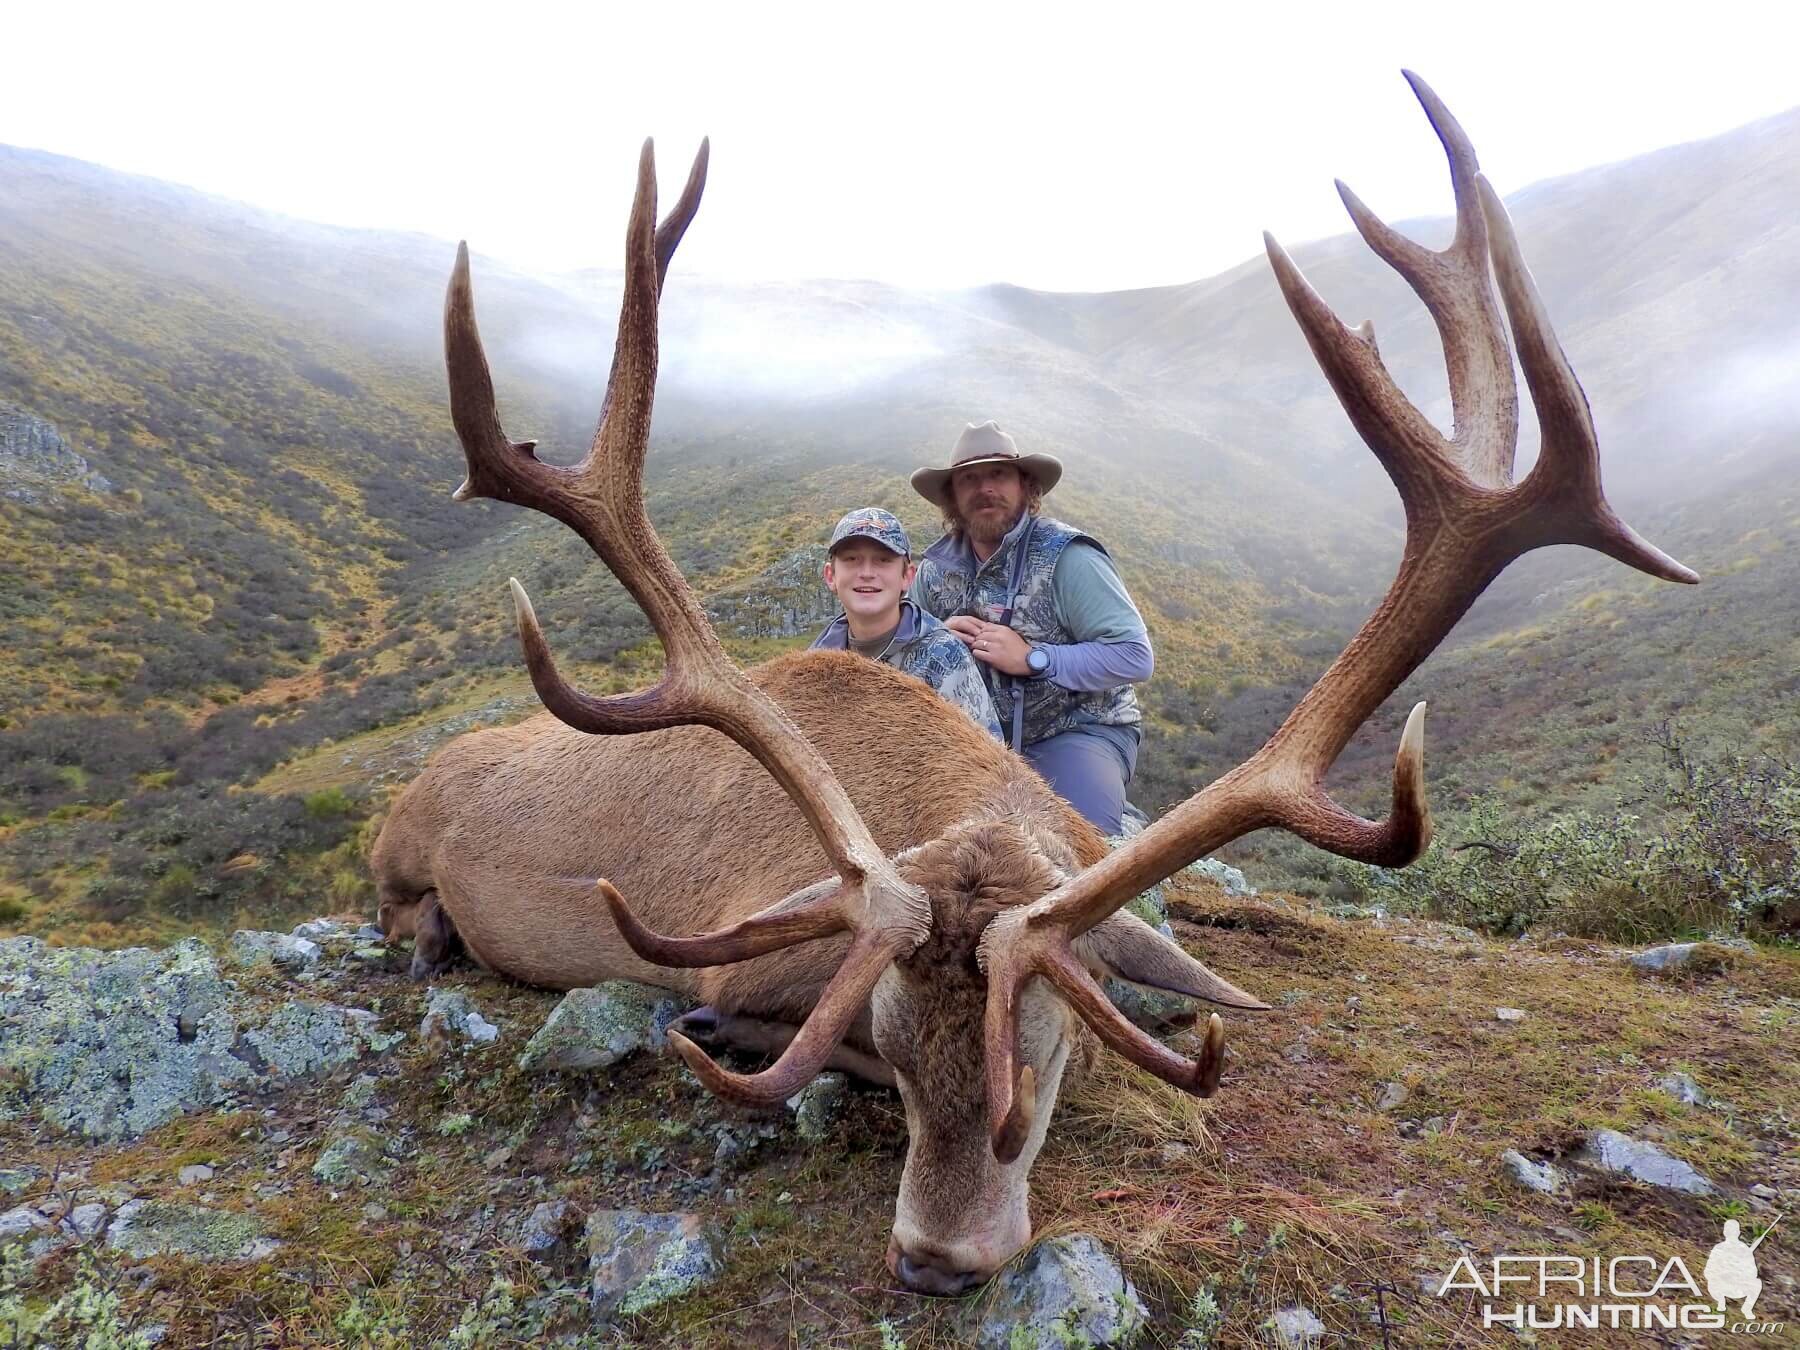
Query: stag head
[[998, 924]]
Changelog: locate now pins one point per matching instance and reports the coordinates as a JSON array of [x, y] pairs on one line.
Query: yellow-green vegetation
[[1292, 1185]]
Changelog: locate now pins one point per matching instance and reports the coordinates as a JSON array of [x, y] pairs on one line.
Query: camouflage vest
[[950, 581]]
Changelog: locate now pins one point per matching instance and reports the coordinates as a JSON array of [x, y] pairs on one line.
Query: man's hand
[[992, 643]]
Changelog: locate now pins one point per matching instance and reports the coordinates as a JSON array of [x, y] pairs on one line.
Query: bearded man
[[1042, 608]]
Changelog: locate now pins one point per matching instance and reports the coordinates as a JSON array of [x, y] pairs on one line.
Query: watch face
[[1038, 660]]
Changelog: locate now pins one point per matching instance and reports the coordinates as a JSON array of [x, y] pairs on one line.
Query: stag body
[[977, 904], [511, 827]]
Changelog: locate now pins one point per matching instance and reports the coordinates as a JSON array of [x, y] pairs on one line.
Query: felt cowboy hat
[[985, 444]]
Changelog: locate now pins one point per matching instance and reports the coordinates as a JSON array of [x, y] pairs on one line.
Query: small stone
[[374, 1213], [596, 1028], [1682, 1088], [1393, 1096], [1765, 1192], [1510, 1014], [449, 1014], [1614, 1152], [1296, 1328], [356, 1153], [16, 1223], [1067, 1291], [639, 1261], [193, 1174], [323, 930], [1434, 1125], [16, 1179], [85, 1221], [1669, 956], [546, 1231], [817, 1105], [1225, 876], [250, 948], [1533, 1176], [497, 1159]]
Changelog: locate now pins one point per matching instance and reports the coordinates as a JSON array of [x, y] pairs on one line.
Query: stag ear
[[1125, 946]]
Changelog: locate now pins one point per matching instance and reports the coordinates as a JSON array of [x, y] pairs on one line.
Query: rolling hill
[[255, 582]]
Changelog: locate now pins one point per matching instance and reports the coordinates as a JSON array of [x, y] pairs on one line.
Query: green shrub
[[1696, 846], [328, 804]]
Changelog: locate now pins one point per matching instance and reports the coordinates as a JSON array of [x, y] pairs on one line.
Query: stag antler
[[601, 499], [1465, 521]]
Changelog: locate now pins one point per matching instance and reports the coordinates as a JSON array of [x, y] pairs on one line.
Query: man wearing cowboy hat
[[868, 567], [1043, 610]]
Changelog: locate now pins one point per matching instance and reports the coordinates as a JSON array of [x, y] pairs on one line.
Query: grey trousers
[[1089, 770]]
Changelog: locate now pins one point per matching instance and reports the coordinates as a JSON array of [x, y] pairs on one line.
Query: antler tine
[[872, 952], [1569, 458], [1465, 522], [815, 912]]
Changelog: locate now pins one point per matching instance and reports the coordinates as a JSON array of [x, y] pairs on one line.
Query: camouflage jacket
[[950, 581], [925, 649]]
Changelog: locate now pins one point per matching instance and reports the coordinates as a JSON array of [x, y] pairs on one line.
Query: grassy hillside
[[215, 667]]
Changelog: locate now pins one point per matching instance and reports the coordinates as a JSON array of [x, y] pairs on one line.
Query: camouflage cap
[[871, 522]]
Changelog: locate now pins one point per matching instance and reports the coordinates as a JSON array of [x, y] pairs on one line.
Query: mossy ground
[[1289, 1186]]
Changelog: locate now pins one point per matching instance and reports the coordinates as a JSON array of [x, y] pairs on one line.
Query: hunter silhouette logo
[[1548, 1292], [1730, 1270]]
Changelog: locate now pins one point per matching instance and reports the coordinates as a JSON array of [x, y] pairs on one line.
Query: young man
[[869, 568], [1042, 608]]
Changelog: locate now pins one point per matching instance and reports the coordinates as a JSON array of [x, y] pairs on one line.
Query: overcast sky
[[1105, 147]]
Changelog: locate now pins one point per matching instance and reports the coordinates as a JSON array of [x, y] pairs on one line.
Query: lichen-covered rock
[[1067, 1291], [1533, 1176], [161, 1228], [353, 1153], [34, 456], [1611, 1151], [1228, 878], [816, 1106], [16, 1179], [111, 1044], [596, 1028], [304, 1037], [251, 948], [449, 1013], [639, 1261]]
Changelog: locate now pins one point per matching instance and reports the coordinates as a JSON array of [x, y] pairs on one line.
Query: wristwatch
[[1037, 660]]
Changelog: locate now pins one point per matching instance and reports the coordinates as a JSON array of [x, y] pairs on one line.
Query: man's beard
[[987, 535]]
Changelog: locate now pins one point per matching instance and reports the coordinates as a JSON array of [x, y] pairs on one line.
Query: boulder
[[596, 1028], [112, 1044], [35, 459], [639, 1261], [1067, 1291]]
